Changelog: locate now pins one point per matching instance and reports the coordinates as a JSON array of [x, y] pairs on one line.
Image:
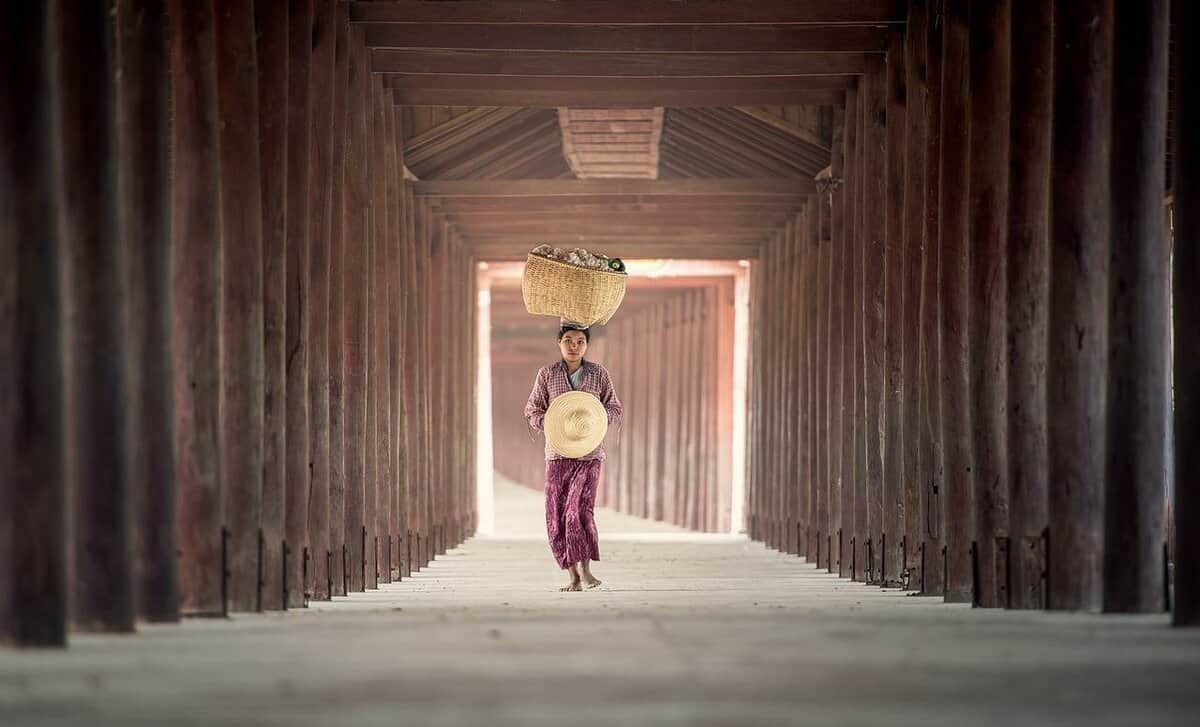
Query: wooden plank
[[480, 82], [990, 64], [1139, 389], [241, 400], [196, 287], [593, 188], [271, 20], [1186, 272], [614, 98], [782, 125], [33, 606], [639, 39], [631, 12], [1028, 295], [296, 334], [616, 65], [1080, 250], [143, 129]]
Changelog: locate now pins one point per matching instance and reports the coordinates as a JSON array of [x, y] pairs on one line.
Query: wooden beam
[[604, 188], [617, 98], [640, 39], [484, 82], [632, 12], [616, 65]]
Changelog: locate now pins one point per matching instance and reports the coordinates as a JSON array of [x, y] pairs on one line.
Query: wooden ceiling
[[743, 91]]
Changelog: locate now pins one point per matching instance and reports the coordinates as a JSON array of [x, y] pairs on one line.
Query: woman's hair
[[564, 330]]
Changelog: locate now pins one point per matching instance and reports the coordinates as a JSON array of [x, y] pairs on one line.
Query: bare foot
[[572, 586], [591, 580]]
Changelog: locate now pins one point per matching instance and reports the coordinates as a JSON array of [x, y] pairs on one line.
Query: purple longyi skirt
[[570, 502]]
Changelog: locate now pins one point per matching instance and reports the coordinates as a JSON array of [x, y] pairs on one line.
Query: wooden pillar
[[932, 463], [296, 453], [196, 285], [1186, 272], [324, 41], [990, 46], [372, 343], [916, 90], [1078, 326], [241, 407], [854, 460], [100, 572], [1139, 333], [830, 383], [395, 308], [33, 597], [814, 491], [354, 250], [271, 32], [954, 288], [380, 314], [1028, 298], [891, 526], [337, 323], [144, 197], [873, 250], [844, 323]]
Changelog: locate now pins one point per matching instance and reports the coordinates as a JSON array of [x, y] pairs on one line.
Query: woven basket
[[580, 295]]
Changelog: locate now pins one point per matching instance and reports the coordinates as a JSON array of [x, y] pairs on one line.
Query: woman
[[571, 483]]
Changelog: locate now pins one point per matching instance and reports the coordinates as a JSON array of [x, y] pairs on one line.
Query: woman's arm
[[539, 400], [608, 397]]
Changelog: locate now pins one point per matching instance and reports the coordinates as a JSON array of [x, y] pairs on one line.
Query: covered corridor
[[910, 359]]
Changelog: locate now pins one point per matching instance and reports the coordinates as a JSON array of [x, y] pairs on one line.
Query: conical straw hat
[[575, 424]]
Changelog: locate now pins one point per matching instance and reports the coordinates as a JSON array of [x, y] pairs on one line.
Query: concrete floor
[[687, 630]]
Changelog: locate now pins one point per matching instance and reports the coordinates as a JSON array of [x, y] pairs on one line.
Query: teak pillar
[[33, 598]]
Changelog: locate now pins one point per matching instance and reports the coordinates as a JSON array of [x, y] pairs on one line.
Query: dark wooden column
[[33, 597], [954, 285], [241, 298], [337, 320], [842, 327], [990, 50], [1139, 333], [94, 298], [144, 197], [320, 201], [830, 385], [1186, 272], [395, 336], [855, 463], [891, 526], [196, 286], [931, 472], [1078, 326], [814, 242], [1028, 297], [873, 250], [916, 90], [271, 31], [381, 379], [354, 251], [296, 454]]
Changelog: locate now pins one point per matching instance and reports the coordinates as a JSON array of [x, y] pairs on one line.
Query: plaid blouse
[[552, 381]]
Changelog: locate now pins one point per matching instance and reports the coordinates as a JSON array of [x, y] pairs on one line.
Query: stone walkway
[[687, 630]]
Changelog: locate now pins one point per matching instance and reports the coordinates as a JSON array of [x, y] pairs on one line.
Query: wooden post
[[1028, 297], [1139, 334], [1078, 326], [874, 258], [33, 598], [954, 287], [144, 197], [396, 335], [196, 284], [916, 91], [296, 455], [100, 571], [241, 407], [830, 385], [931, 470], [271, 32], [891, 526], [354, 252], [320, 196], [380, 380], [990, 47], [843, 322], [1186, 272], [854, 461]]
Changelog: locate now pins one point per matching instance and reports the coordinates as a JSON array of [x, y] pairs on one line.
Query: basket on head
[[583, 295]]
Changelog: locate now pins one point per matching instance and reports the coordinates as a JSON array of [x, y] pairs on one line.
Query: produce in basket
[[573, 285]]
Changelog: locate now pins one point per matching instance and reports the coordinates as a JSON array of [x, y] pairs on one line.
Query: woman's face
[[573, 345]]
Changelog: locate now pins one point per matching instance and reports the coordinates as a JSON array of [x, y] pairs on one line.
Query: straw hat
[[575, 424]]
